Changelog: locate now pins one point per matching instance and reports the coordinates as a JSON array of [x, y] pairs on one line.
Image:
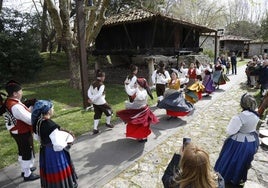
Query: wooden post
[[151, 70]]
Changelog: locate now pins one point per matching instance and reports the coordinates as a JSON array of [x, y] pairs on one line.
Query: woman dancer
[[131, 79], [174, 101], [137, 114], [56, 167], [207, 81], [240, 147], [195, 88]]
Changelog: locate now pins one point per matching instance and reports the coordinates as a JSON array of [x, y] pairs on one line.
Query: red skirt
[[138, 121], [176, 114]]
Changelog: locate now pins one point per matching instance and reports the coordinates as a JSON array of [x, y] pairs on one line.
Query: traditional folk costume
[[208, 82], [56, 167], [19, 125], [131, 79], [137, 114], [96, 95], [174, 101], [219, 78], [194, 87], [160, 79], [240, 147]]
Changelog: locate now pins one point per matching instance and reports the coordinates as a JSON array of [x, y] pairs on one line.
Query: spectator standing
[[21, 129], [234, 63], [241, 145], [56, 166]]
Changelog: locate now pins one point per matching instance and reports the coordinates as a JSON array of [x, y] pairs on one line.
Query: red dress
[[137, 115], [138, 121]]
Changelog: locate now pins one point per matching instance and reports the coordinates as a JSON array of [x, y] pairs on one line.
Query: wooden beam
[[128, 37], [153, 36]]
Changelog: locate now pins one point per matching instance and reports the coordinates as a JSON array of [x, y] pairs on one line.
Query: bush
[[19, 55]]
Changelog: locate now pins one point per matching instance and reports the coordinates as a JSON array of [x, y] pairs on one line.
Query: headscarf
[[12, 86], [41, 107], [248, 102], [143, 83]]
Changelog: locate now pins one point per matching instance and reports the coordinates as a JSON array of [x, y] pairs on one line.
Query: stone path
[[207, 129]]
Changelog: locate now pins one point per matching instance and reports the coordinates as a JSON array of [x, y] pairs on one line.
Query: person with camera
[[191, 168]]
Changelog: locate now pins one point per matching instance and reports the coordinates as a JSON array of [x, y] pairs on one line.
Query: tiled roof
[[138, 15], [233, 37], [129, 16]]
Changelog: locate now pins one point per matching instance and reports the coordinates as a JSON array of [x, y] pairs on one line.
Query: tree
[[66, 31], [203, 12], [244, 29], [19, 55], [264, 28]]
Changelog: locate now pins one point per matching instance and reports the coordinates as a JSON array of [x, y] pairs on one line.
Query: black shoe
[[95, 131], [109, 125], [143, 140], [32, 169], [32, 177]]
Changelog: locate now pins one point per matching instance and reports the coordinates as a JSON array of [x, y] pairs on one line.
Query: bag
[[10, 120]]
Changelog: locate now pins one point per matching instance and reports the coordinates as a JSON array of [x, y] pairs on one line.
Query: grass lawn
[[52, 83]]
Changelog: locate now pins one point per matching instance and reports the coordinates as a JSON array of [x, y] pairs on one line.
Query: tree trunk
[[74, 67], [44, 31]]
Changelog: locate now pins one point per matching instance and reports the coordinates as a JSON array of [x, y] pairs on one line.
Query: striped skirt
[[56, 169]]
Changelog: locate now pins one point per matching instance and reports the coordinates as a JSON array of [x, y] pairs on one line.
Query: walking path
[[110, 160]]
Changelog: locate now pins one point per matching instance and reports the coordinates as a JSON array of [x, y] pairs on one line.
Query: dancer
[[240, 147], [207, 81], [194, 88], [160, 78], [137, 114], [56, 167], [131, 79], [96, 96], [174, 101]]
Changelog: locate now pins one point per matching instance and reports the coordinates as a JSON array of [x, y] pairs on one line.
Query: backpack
[[10, 120]]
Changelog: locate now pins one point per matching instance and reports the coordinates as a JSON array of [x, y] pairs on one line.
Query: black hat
[[12, 86]]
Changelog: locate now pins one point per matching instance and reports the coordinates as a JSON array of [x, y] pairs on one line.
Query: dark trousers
[[160, 89], [234, 71], [25, 145], [99, 109]]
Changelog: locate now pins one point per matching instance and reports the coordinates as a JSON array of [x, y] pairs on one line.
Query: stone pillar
[[151, 70]]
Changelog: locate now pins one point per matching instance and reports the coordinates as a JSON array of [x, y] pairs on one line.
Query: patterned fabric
[[56, 167]]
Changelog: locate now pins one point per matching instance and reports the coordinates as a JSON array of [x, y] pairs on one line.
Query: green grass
[[53, 83]]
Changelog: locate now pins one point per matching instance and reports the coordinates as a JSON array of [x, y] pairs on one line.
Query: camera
[[186, 141]]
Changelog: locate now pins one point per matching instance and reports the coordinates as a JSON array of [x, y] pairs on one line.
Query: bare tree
[[203, 12], [65, 28]]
